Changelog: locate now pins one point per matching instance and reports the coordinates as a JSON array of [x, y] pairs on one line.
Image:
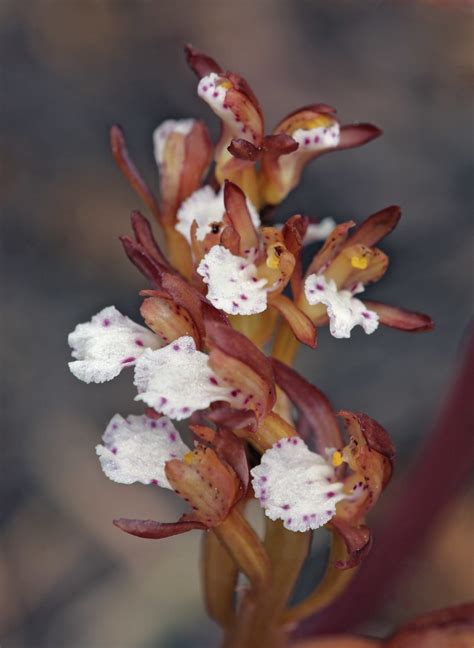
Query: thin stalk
[[219, 577]]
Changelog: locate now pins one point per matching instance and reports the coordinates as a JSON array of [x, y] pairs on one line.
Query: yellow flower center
[[273, 256], [359, 262], [337, 459]]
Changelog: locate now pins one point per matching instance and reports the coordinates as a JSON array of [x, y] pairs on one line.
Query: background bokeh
[[71, 68]]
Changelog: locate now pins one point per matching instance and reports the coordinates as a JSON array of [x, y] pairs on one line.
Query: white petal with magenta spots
[[137, 448], [107, 344], [206, 207], [296, 485], [164, 130], [214, 93], [176, 380], [344, 310], [233, 284], [316, 139]]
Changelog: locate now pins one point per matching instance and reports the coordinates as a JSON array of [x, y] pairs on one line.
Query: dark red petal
[[354, 135], [302, 327], [314, 405], [279, 144], [145, 264], [294, 231], [200, 63], [358, 541], [232, 449], [130, 171], [239, 216], [240, 347], [401, 319], [144, 236], [157, 530], [244, 150], [376, 227], [232, 419], [230, 239], [186, 296]]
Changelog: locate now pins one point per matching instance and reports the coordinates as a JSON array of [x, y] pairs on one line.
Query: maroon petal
[[314, 405], [357, 539], [232, 419], [238, 214], [200, 63], [186, 296], [130, 171], [354, 135], [279, 144], [294, 231], [144, 237], [141, 260], [244, 150], [401, 319], [157, 530], [376, 227]]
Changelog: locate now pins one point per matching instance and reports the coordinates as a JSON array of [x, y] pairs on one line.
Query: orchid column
[[226, 291]]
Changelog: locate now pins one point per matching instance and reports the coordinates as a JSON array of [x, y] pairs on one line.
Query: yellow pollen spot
[[188, 458], [337, 459], [359, 262], [273, 256], [227, 85]]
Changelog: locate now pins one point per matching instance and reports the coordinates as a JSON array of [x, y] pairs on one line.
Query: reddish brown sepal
[[353, 135], [302, 327], [158, 530], [401, 319], [331, 248], [242, 149], [141, 260], [200, 63], [314, 405], [130, 171], [279, 144], [294, 231], [358, 541], [144, 237], [238, 214], [232, 419], [376, 227]]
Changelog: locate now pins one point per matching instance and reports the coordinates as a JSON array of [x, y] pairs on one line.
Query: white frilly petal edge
[[137, 448], [206, 207], [107, 344], [344, 310], [296, 485], [233, 284], [176, 380], [164, 130]]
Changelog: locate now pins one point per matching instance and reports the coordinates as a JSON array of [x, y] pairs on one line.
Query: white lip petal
[[344, 310], [137, 448], [107, 344], [296, 485], [233, 284], [176, 380]]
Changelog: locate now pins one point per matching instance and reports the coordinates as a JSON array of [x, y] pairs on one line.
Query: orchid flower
[[342, 268]]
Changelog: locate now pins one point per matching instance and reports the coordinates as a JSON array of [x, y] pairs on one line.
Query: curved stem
[[333, 583]]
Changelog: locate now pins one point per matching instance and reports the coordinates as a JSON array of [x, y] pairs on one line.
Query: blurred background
[[69, 70]]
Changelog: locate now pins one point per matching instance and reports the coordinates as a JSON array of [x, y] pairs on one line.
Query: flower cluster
[[229, 285]]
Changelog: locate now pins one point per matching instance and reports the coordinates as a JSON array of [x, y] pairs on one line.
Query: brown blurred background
[[71, 68]]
